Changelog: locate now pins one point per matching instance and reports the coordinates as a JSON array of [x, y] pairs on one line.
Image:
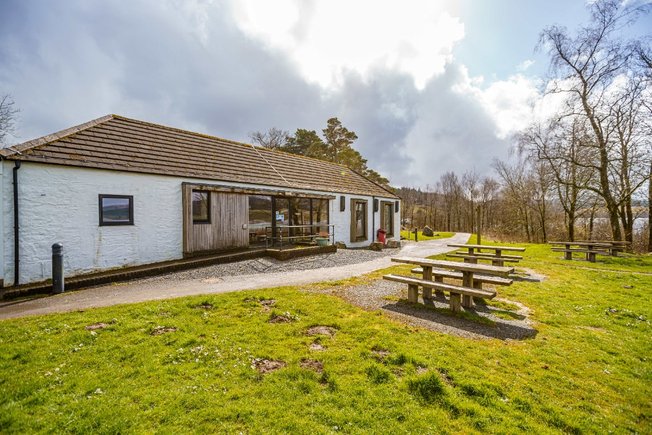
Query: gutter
[[16, 227]]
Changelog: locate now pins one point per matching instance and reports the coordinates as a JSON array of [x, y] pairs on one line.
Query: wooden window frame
[[354, 236], [102, 223], [208, 208]]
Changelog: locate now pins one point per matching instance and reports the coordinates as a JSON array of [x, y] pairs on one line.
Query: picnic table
[[459, 295], [590, 248], [615, 247], [473, 253]]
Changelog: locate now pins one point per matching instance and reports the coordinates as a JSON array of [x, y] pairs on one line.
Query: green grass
[[409, 235], [588, 370]]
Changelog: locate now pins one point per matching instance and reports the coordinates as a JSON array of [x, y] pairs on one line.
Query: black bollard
[[416, 235], [57, 268]]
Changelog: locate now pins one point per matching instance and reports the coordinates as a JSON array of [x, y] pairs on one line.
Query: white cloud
[[523, 66], [327, 39]]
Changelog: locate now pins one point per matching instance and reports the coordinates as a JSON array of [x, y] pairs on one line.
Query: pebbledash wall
[[60, 204]]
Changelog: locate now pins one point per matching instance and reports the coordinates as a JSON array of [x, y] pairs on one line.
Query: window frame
[[354, 237], [102, 223], [208, 207]]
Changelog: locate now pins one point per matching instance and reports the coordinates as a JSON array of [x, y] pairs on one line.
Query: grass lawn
[[409, 235], [588, 370]]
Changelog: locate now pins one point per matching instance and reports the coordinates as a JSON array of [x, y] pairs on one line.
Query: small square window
[[116, 210], [201, 206]]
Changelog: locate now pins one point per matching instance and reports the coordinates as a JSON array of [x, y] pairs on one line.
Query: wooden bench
[[473, 253], [473, 258], [591, 249], [615, 246], [478, 280], [456, 292]]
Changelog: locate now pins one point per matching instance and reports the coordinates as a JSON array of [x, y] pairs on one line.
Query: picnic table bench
[[473, 253], [591, 249], [460, 295], [615, 247]]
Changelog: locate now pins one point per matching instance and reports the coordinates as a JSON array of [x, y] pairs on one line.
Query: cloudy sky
[[428, 86]]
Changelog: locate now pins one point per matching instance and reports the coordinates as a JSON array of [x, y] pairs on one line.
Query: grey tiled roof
[[123, 144]]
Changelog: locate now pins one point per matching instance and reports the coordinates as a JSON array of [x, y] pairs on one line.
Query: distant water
[[639, 223]]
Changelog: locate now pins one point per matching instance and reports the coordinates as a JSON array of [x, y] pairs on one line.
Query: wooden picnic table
[[463, 294], [497, 258], [615, 247], [590, 248]]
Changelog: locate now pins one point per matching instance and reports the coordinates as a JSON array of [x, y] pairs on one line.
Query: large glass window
[[116, 210], [260, 217], [320, 214], [201, 206], [282, 215], [300, 208], [358, 220]]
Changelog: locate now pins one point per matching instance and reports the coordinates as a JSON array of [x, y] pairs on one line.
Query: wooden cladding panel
[[228, 213]]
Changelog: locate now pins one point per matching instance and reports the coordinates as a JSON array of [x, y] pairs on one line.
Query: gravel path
[[342, 257], [390, 297], [244, 275]]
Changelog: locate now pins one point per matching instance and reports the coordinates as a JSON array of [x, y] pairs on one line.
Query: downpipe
[[16, 226]]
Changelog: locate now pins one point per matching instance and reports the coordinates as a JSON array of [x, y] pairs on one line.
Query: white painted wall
[[3, 193], [60, 204]]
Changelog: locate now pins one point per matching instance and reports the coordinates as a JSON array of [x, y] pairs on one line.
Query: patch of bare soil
[[380, 354], [321, 330], [205, 306], [312, 364], [96, 326], [267, 302], [280, 318], [528, 275], [160, 330], [264, 366], [317, 347]]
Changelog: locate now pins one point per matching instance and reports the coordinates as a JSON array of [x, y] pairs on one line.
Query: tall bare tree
[[585, 68], [8, 113]]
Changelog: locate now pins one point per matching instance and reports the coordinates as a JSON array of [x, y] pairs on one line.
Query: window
[[260, 217], [358, 220], [116, 210], [387, 217], [201, 206], [320, 214]]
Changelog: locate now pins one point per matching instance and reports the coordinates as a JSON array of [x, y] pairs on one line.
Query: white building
[[118, 192]]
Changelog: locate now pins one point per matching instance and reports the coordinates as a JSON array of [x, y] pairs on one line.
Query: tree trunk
[[649, 210]]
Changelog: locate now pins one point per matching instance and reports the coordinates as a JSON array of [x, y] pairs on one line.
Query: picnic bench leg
[[471, 260], [439, 293], [568, 255], [455, 302], [590, 256], [427, 275], [413, 293], [467, 281], [497, 262]]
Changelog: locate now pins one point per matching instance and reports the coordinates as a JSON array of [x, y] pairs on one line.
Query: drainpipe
[[16, 232], [373, 219]]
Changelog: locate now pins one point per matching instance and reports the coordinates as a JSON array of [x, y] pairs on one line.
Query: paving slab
[[149, 290]]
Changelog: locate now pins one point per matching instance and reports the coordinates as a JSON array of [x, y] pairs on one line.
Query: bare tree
[[273, 138], [558, 146], [8, 113], [585, 67]]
